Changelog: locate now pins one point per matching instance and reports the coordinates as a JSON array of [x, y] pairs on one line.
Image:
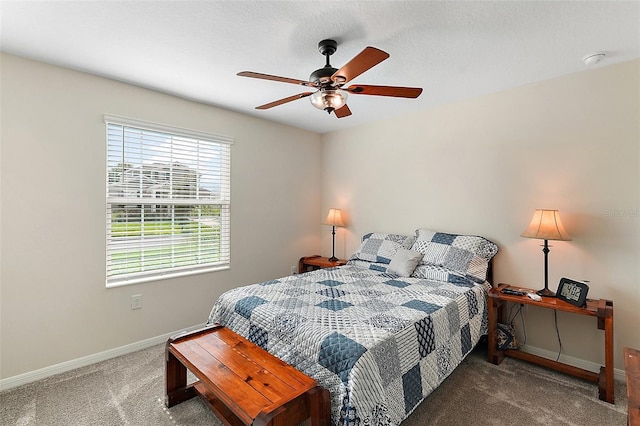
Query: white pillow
[[404, 262]]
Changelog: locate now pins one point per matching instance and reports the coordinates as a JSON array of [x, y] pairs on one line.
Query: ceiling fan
[[331, 96]]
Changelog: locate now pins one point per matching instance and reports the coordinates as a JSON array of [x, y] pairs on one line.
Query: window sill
[[163, 276]]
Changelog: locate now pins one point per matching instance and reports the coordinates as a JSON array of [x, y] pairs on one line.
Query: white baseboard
[[576, 362], [32, 376]]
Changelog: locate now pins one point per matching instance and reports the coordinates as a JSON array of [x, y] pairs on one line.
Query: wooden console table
[[602, 309]]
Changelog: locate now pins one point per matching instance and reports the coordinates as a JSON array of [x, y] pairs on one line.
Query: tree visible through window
[[168, 201]]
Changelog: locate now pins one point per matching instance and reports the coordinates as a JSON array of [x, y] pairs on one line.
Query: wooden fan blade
[[274, 78], [362, 62], [285, 100], [397, 92], [343, 111]]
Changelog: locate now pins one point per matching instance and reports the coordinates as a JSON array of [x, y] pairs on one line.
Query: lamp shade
[[334, 218], [546, 225]]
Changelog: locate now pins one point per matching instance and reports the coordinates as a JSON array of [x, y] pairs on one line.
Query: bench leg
[[313, 408], [320, 406], [176, 381]]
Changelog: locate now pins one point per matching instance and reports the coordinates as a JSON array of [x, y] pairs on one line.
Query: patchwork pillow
[[440, 273], [468, 255], [431, 272], [380, 248], [380, 267], [506, 336], [404, 262]]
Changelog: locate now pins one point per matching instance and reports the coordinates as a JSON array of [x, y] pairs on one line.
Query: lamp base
[[546, 293], [333, 259]]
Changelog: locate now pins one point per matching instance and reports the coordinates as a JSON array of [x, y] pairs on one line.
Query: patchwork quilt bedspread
[[378, 342]]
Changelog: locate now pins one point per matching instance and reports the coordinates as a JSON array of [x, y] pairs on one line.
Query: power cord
[[555, 319], [513, 316], [524, 329]]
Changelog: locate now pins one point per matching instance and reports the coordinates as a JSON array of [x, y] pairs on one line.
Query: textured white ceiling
[[193, 49]]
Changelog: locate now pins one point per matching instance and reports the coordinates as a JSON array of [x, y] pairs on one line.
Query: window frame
[[222, 202]]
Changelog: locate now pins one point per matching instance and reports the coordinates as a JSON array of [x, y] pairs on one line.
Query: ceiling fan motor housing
[[322, 75]]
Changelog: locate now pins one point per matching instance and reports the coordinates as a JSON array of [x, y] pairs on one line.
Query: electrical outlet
[[294, 270], [136, 301]]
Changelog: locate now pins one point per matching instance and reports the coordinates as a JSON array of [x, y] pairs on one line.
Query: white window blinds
[[168, 201]]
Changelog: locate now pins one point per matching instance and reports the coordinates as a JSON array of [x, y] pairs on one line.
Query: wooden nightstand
[[311, 263], [602, 309]]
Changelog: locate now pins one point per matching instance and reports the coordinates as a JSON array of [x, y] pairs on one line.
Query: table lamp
[[334, 218], [545, 225]]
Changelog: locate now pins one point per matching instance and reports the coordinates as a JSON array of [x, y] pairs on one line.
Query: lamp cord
[[524, 328], [555, 319], [513, 317]]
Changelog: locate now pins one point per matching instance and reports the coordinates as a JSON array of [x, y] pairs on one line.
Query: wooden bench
[[240, 382]]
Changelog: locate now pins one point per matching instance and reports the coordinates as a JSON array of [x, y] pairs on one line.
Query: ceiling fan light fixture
[[329, 99]]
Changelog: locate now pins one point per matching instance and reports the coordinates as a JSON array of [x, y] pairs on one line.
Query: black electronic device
[[513, 292], [574, 292]]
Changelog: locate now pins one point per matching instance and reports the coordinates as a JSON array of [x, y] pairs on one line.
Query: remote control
[[513, 292], [534, 296]]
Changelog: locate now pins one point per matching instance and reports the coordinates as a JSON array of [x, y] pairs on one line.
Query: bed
[[380, 333]]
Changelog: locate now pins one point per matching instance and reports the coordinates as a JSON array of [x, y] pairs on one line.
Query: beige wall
[[482, 166], [54, 304]]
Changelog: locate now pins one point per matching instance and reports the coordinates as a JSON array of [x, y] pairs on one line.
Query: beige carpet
[[128, 390]]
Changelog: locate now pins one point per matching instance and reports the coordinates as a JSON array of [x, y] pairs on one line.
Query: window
[[168, 201]]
